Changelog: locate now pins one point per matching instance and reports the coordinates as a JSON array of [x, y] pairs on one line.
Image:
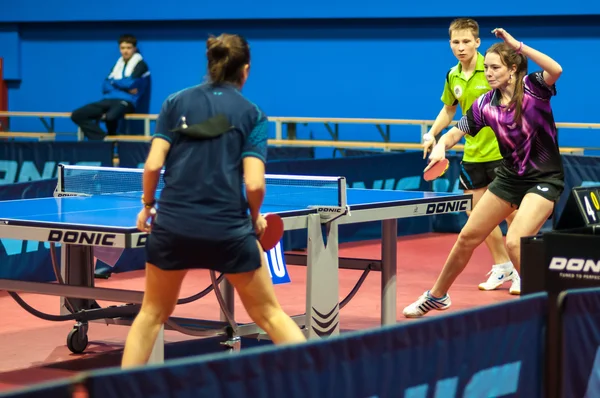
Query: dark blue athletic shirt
[[204, 196]]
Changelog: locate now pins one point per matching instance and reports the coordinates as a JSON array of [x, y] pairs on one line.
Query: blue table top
[[120, 212]]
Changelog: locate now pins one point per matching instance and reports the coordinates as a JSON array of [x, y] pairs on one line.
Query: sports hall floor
[[34, 350]]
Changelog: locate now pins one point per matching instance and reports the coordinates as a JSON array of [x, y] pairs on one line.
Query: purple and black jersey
[[530, 150]]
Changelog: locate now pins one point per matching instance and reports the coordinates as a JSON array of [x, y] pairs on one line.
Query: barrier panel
[[490, 352], [580, 343], [26, 260], [33, 161]]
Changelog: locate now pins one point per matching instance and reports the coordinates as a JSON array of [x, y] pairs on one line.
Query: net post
[[343, 199], [60, 183]]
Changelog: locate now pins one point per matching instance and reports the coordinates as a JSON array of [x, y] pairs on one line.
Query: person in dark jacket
[[122, 90]]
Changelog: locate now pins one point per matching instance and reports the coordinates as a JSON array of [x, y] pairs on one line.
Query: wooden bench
[[128, 138], [572, 151], [292, 121], [51, 116], [37, 136]]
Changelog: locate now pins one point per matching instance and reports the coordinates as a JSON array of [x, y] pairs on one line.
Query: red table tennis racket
[[273, 232], [437, 170]]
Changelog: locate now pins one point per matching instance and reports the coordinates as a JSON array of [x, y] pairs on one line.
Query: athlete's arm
[[154, 164], [443, 119], [161, 143], [447, 141], [254, 157], [451, 138], [471, 123], [254, 178], [552, 69]]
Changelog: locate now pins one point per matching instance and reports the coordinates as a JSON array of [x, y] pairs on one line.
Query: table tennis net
[[282, 190]]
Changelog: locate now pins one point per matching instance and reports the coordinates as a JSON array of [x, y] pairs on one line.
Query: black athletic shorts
[[477, 175], [170, 251], [513, 189]]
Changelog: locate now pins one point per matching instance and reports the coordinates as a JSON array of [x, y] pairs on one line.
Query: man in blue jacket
[[122, 89]]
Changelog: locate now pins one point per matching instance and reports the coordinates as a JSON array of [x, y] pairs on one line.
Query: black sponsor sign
[[572, 259], [82, 237], [447, 207]]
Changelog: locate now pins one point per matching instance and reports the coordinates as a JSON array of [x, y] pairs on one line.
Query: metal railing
[[332, 125]]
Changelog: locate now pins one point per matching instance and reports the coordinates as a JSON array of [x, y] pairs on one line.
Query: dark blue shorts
[[169, 251]]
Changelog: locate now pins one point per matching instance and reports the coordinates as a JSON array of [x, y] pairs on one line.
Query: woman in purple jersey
[[531, 178]]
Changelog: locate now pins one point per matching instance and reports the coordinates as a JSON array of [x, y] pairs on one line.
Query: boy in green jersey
[[465, 82]]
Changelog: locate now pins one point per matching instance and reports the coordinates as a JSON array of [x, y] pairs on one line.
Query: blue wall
[[75, 10], [10, 51], [373, 67]]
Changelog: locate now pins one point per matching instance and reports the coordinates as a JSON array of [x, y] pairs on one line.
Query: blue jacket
[[118, 87]]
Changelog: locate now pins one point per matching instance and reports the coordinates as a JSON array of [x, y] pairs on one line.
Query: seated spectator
[[122, 89]]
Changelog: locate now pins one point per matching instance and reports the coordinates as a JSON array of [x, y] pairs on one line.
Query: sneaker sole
[[497, 286], [419, 316], [413, 316], [494, 288], [488, 289]]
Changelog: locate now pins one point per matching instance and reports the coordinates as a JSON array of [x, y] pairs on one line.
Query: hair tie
[[520, 48]]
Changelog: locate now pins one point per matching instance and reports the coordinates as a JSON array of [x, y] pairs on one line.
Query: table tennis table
[[96, 207]]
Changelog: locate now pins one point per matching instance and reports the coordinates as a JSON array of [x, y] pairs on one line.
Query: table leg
[[389, 235], [158, 351], [77, 269], [322, 281], [228, 293]]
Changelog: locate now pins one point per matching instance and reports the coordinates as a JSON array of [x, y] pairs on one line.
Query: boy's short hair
[[464, 24], [129, 39]]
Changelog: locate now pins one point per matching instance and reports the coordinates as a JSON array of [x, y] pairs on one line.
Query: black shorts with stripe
[[477, 175], [513, 190]]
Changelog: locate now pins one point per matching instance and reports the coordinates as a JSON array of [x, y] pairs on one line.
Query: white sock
[[506, 266]]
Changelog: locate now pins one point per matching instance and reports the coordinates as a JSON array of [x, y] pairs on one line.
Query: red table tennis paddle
[[273, 232], [437, 170]]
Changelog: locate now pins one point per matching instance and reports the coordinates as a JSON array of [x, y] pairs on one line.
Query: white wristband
[[427, 137]]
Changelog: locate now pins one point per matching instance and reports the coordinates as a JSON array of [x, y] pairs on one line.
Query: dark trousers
[[88, 116]]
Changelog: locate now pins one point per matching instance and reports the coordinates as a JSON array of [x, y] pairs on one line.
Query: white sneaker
[[497, 276], [426, 303], [515, 288]]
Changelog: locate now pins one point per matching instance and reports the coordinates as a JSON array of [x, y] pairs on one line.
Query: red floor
[[34, 350]]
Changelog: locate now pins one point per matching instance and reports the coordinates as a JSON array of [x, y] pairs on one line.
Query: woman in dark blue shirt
[[212, 143]]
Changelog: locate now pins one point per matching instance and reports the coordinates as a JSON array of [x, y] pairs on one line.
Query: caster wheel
[[232, 344], [77, 341]]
